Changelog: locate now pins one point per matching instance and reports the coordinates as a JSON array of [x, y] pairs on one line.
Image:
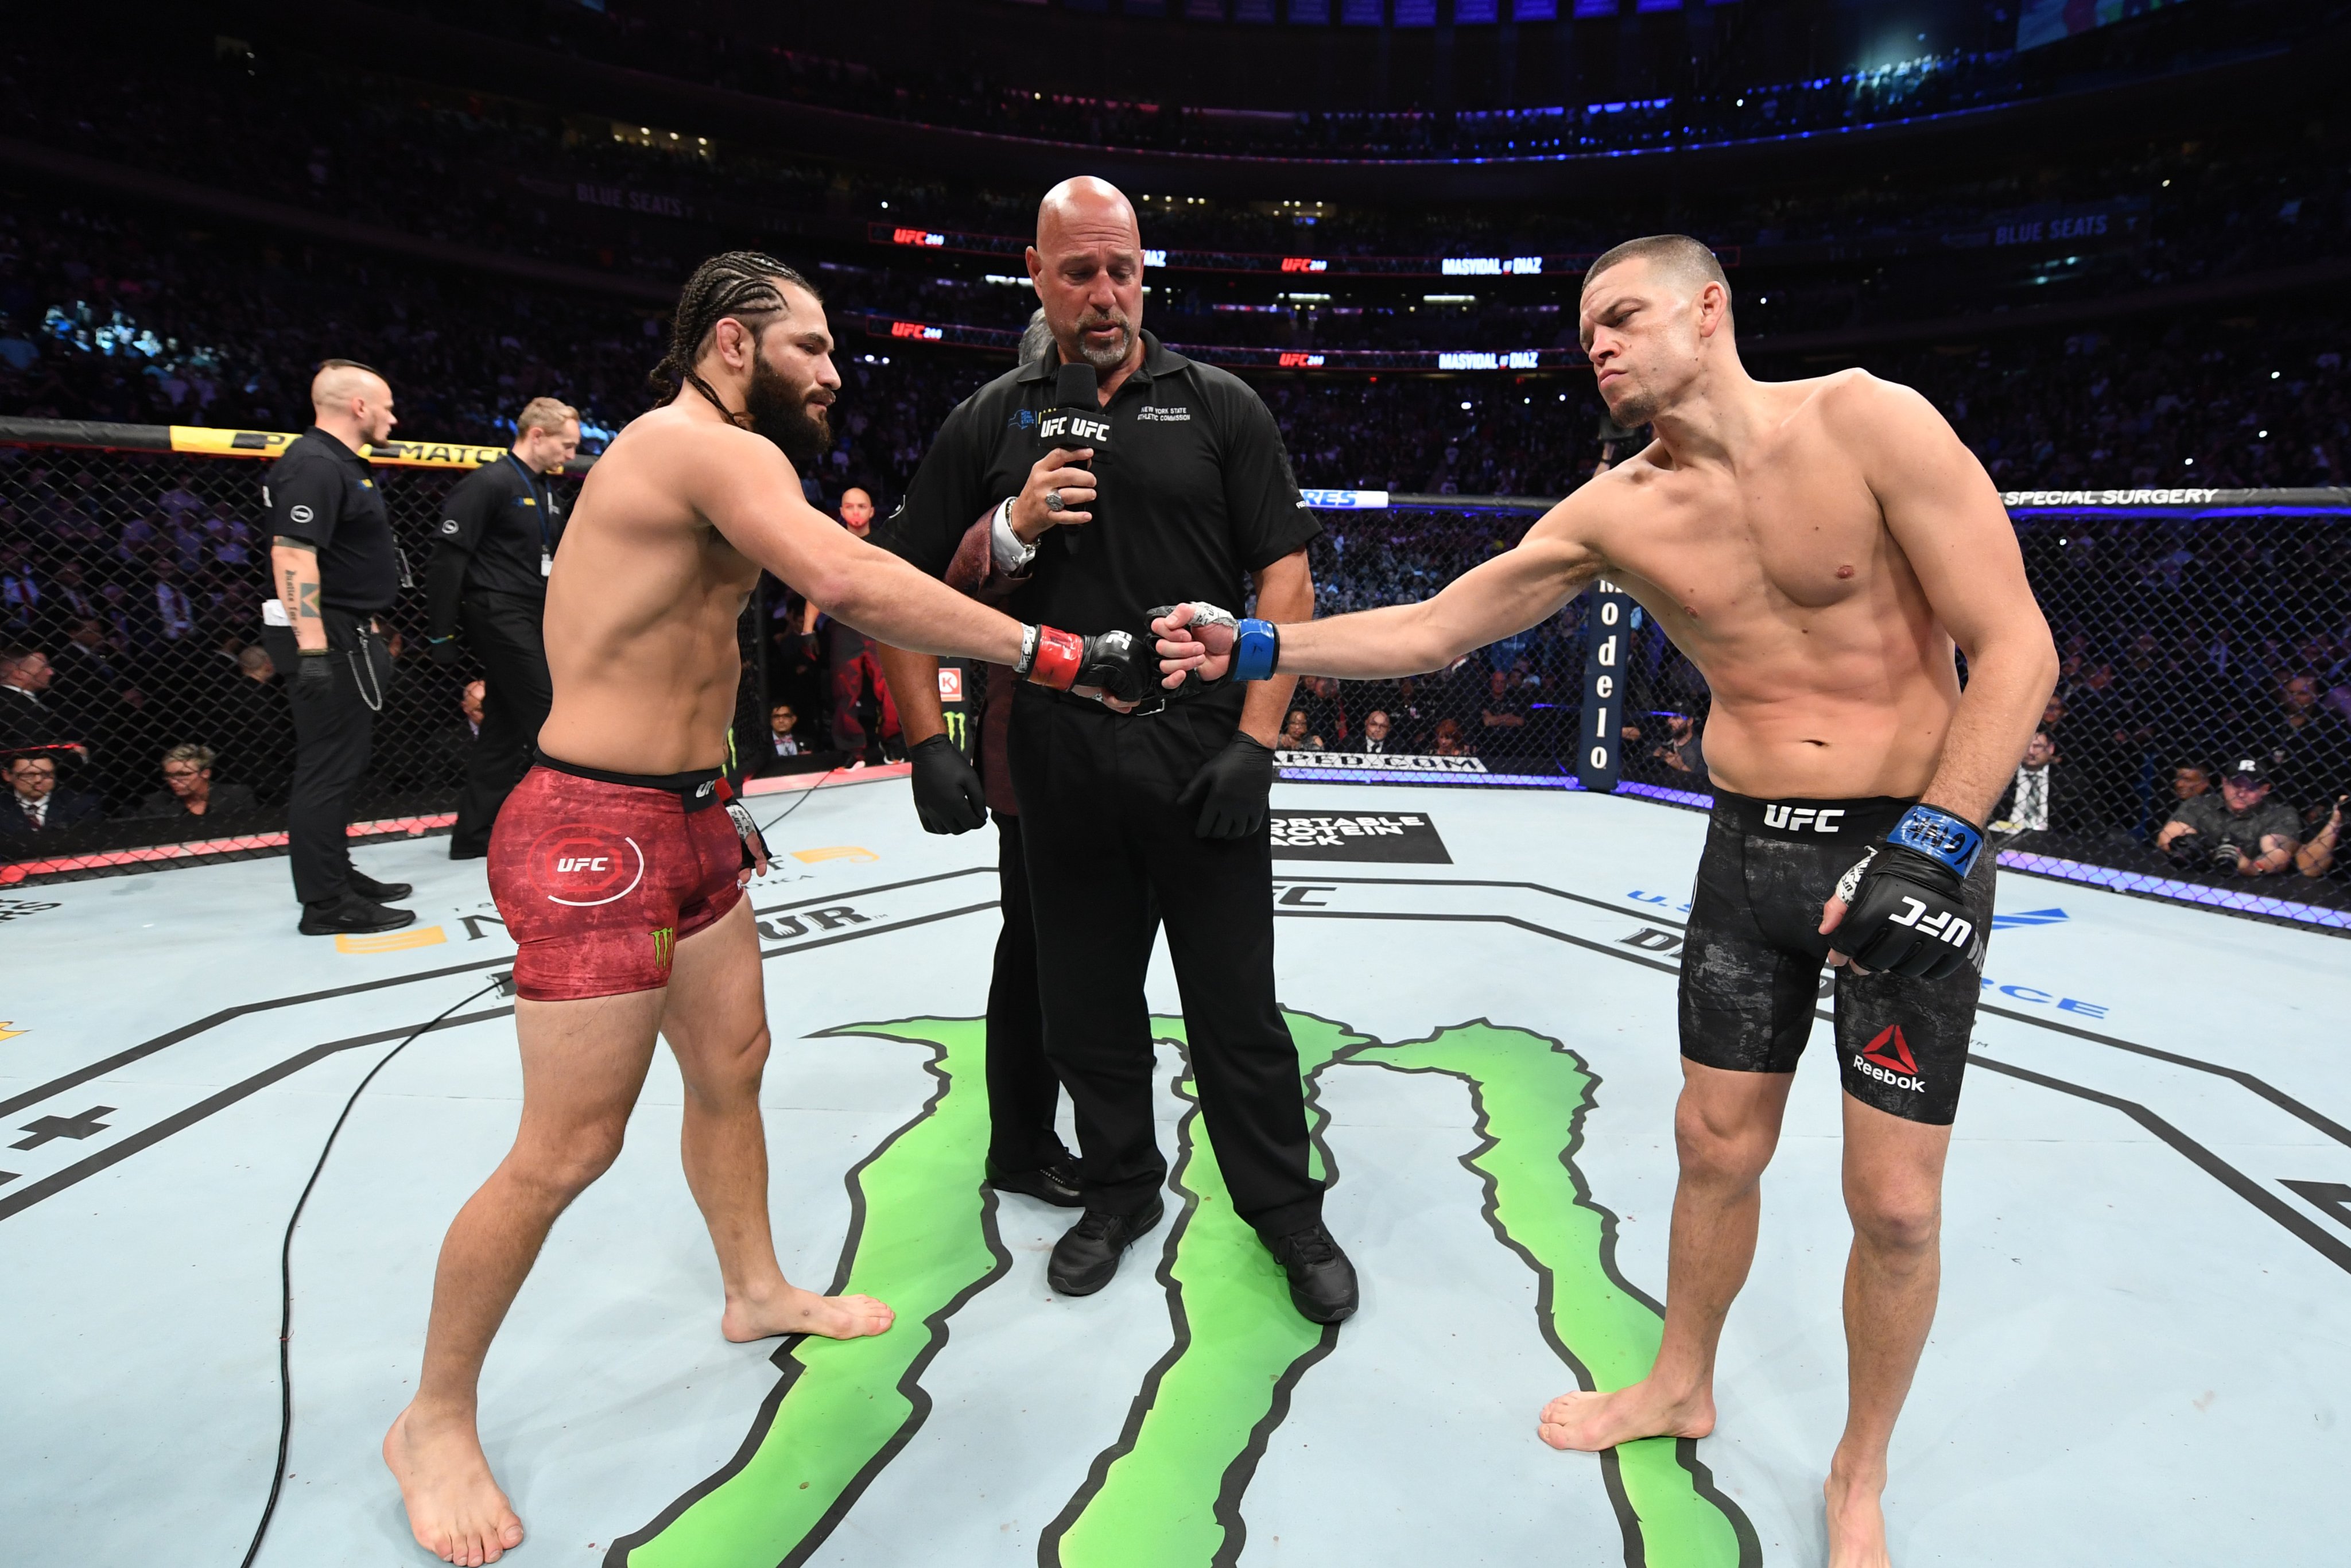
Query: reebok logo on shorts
[[1887, 1058]]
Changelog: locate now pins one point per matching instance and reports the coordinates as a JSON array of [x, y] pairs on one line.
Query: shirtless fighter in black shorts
[[1816, 547]]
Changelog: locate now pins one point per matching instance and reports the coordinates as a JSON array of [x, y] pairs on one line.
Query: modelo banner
[[1597, 751]]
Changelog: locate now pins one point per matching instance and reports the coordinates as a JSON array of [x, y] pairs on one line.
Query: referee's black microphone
[[1075, 421]]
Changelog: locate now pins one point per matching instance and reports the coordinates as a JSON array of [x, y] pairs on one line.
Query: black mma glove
[[1231, 789], [318, 670], [949, 796], [1905, 899], [1120, 663], [442, 650]]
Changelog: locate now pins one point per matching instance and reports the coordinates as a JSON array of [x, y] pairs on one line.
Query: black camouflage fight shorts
[[1752, 960]]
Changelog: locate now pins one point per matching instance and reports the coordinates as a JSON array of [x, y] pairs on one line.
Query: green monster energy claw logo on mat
[[1171, 1491], [665, 944]]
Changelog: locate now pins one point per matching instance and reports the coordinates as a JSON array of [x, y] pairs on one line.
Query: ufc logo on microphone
[[596, 862], [1076, 426], [1942, 925], [1801, 819]]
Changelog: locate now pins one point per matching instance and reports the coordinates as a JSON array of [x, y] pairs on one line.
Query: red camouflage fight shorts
[[598, 877]]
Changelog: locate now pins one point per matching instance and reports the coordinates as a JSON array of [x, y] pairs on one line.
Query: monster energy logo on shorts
[[665, 944], [1172, 1490]]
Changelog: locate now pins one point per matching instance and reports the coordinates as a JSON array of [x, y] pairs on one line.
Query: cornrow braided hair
[[744, 284]]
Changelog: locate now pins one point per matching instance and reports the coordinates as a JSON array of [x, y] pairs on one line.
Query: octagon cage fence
[[2197, 628]]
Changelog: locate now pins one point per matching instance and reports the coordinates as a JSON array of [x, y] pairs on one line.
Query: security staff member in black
[[1195, 493], [334, 565], [491, 554]]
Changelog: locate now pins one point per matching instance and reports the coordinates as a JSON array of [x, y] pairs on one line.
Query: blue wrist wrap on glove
[[1940, 836], [1255, 650]]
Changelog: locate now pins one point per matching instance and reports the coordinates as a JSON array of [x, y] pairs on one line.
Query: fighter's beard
[[781, 412], [1106, 358], [1633, 412]]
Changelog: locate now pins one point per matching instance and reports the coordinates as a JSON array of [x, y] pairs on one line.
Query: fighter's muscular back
[[643, 604]]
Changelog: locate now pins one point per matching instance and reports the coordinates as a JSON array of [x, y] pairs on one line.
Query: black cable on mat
[[802, 799], [285, 1268]]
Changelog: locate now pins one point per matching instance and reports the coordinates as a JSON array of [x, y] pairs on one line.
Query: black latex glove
[[318, 671], [949, 796], [442, 650], [1231, 790]]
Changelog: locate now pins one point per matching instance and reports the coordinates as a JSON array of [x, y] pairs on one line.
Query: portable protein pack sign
[[1597, 755]]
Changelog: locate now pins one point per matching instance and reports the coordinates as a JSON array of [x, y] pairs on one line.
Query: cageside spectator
[[2239, 832], [188, 788], [37, 807], [787, 749], [2040, 797]]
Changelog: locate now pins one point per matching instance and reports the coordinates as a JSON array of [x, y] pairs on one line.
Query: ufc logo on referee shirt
[[1944, 926], [1799, 818]]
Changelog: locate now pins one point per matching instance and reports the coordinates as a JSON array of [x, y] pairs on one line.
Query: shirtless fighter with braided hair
[[619, 862], [1816, 547]]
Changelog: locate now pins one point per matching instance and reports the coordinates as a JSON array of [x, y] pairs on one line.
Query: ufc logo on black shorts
[[1801, 819]]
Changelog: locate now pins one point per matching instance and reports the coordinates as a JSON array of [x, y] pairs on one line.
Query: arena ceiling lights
[[1565, 265]]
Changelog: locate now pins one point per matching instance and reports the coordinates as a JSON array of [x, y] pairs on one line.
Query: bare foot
[[455, 1508], [1591, 1422], [792, 1310], [1856, 1522]]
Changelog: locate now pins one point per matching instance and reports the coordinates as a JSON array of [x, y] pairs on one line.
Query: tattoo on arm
[[310, 611]]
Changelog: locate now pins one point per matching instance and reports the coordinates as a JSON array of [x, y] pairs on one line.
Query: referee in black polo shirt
[[491, 554], [334, 566], [1190, 494]]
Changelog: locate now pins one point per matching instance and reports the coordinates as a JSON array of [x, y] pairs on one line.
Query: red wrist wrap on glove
[[1059, 656]]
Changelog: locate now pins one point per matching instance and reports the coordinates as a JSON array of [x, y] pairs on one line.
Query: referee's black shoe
[[1056, 1184], [375, 891], [1321, 1280], [1085, 1259], [351, 915]]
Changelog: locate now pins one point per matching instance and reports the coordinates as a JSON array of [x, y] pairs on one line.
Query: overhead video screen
[[2047, 21]]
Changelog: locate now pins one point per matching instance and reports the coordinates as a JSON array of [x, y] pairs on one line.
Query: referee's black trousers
[[1022, 1091], [1102, 831], [504, 632], [333, 730]]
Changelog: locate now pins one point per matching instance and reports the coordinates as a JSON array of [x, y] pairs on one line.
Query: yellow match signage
[[205, 440]]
